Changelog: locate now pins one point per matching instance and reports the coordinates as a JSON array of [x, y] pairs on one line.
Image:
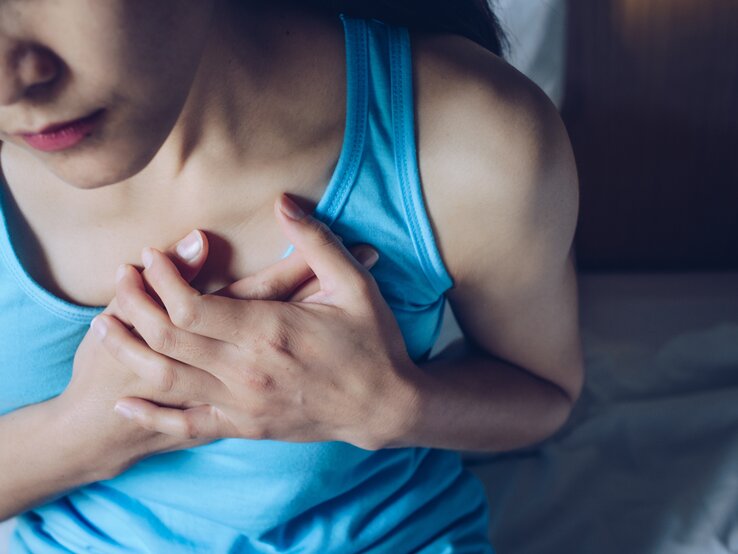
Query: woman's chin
[[94, 170]]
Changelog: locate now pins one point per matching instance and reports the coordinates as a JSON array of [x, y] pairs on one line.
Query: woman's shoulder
[[494, 156], [501, 190]]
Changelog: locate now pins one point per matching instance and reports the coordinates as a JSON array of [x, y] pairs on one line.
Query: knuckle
[[259, 433], [166, 377], [189, 429], [324, 235], [259, 382], [112, 342], [185, 315], [115, 348], [273, 337], [123, 300], [146, 422], [162, 339], [362, 284], [306, 290], [279, 340], [267, 289]]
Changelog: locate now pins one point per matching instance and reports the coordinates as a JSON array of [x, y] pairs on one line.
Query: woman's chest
[[73, 253], [78, 263]]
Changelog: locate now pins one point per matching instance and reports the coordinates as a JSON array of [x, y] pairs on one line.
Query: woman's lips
[[66, 135]]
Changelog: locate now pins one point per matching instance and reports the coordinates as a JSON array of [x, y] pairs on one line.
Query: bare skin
[[496, 166], [205, 175]]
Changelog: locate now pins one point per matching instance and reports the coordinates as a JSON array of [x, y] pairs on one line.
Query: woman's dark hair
[[473, 19]]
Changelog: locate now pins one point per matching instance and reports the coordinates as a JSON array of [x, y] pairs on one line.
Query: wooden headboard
[[651, 106]]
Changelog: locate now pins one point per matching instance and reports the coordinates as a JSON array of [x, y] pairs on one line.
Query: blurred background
[[648, 90], [651, 104], [648, 463]]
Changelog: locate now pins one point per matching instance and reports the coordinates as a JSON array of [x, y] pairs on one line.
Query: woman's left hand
[[331, 367]]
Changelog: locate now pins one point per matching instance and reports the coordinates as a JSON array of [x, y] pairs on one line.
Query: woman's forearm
[[39, 459], [467, 400]]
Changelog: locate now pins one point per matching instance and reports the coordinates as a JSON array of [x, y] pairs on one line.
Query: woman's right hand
[[111, 442]]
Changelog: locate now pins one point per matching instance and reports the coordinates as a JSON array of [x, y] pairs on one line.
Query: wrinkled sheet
[[648, 463]]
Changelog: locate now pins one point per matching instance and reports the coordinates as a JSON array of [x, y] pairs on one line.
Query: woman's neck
[[265, 113], [269, 94]]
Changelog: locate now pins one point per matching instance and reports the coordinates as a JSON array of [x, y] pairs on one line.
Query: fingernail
[[146, 257], [189, 247], [120, 272], [125, 411], [290, 209], [368, 257], [99, 326]]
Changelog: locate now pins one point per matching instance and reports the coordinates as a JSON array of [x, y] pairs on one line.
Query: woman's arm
[[53, 447], [56, 446], [502, 191], [41, 458], [501, 186]]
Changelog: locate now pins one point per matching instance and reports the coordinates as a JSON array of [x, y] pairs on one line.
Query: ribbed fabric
[[243, 496]]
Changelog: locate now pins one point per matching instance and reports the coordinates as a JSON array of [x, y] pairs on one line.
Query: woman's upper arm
[[502, 193]]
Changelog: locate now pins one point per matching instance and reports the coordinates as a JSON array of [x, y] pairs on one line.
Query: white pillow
[[536, 31]]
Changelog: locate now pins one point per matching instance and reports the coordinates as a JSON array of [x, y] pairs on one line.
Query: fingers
[[215, 315], [209, 316], [189, 254], [179, 383], [272, 283], [157, 328], [192, 423], [338, 272], [312, 285], [289, 279]]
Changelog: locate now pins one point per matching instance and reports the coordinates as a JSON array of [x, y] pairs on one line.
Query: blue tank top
[[243, 496]]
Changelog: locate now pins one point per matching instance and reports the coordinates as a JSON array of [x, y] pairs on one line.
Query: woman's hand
[[332, 367], [98, 380]]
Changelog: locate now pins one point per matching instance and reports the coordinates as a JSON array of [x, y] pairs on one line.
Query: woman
[[258, 409]]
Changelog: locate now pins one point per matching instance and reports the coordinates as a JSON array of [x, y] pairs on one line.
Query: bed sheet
[[648, 463]]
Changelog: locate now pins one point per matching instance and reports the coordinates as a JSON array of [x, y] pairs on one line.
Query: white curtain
[[536, 30]]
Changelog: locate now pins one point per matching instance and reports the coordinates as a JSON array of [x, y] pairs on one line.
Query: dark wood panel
[[652, 110]]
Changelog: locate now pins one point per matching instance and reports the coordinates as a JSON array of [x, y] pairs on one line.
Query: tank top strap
[[403, 118], [357, 112], [375, 194]]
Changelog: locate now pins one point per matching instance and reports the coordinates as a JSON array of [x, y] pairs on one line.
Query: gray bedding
[[648, 463]]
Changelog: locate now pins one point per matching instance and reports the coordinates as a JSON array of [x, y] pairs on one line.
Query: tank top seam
[[406, 161], [357, 103], [334, 198]]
